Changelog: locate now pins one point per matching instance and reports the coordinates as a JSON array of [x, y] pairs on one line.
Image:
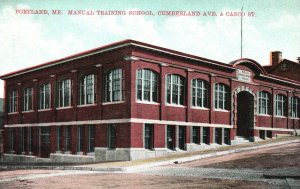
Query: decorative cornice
[[131, 58]]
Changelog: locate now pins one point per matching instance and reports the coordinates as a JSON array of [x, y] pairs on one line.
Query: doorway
[[245, 113]]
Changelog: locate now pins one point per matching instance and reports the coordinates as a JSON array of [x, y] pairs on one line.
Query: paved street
[[273, 167]]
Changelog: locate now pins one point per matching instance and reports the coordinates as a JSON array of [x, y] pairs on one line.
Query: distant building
[[1, 124], [283, 67], [131, 100]]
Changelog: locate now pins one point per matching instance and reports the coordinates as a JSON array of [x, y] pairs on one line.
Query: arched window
[[295, 107], [264, 103], [199, 93], [175, 89], [146, 85], [114, 85], [280, 105], [87, 89], [221, 97]]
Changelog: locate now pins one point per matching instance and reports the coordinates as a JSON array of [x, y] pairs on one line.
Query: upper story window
[[44, 96], [87, 89], [280, 105], [13, 100], [64, 93], [175, 89], [27, 99], [221, 97], [147, 85], [295, 107], [264, 103], [199, 93], [114, 85]]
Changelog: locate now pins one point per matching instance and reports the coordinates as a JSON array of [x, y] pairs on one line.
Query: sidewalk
[[131, 166]]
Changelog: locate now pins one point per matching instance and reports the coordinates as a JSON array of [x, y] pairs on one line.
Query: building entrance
[[245, 113]]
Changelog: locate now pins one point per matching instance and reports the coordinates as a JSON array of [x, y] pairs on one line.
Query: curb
[[270, 176], [197, 157]]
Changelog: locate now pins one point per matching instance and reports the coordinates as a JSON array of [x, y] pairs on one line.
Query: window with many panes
[[13, 99], [114, 85], [29, 139], [59, 138], [22, 145], [91, 138], [294, 107], [148, 136], [64, 93], [196, 135], [87, 89], [68, 135], [280, 105], [264, 103], [199, 93], [27, 99], [111, 136], [44, 96], [11, 139], [146, 85], [221, 96], [80, 134], [175, 89]]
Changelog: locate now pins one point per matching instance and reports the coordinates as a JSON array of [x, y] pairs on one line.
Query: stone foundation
[[105, 154]]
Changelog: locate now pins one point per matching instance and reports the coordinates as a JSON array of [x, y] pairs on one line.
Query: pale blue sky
[[28, 40]]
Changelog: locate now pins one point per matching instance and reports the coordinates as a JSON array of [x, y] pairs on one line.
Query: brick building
[[131, 100], [1, 125], [283, 67]]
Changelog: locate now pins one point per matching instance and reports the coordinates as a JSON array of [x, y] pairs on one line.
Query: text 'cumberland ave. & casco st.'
[[131, 12]]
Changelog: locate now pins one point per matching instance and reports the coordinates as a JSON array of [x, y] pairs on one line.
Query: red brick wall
[[101, 135], [136, 135], [159, 136], [123, 139]]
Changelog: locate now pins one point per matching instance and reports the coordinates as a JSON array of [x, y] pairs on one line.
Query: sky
[[31, 39]]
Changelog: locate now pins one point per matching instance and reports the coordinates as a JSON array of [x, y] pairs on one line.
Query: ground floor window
[[171, 137], [68, 138], [22, 139], [45, 141], [181, 137], [205, 135], [148, 136], [218, 135], [269, 134], [80, 135], [29, 139], [227, 136], [262, 134], [11, 139], [58, 138], [196, 135], [91, 138], [112, 136]]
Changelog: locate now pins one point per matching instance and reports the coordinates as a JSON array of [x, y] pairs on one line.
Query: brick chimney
[[275, 58]]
